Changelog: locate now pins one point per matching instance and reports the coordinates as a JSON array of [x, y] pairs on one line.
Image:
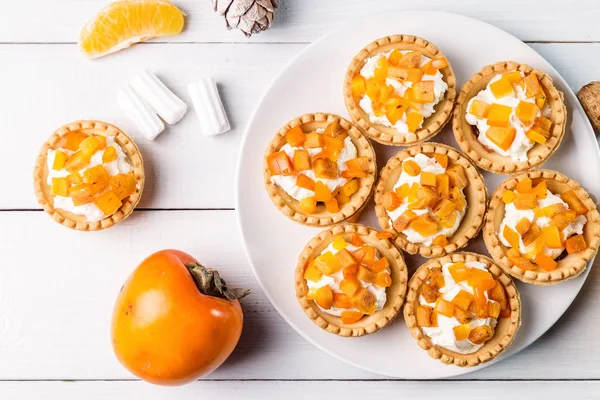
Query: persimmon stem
[[210, 283]]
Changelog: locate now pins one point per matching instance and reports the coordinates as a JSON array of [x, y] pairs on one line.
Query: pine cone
[[589, 96], [249, 16]]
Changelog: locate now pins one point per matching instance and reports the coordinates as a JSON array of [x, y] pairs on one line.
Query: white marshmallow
[[209, 108], [159, 97], [140, 113]]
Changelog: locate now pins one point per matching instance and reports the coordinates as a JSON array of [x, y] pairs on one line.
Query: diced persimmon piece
[[395, 57], [312, 273], [501, 88], [536, 246], [365, 255], [313, 140], [335, 130], [301, 160], [531, 85], [429, 292], [461, 332], [526, 112], [503, 137], [355, 240], [514, 255], [441, 240], [479, 303], [444, 208], [458, 198], [523, 226], [481, 334], [483, 284], [436, 277], [553, 209], [309, 204], [425, 225], [279, 163], [80, 194], [358, 85], [73, 139], [524, 186], [77, 161], [357, 168], [381, 71], [75, 178], [445, 308], [384, 235], [442, 159], [89, 145], [383, 280], [342, 300], [102, 140], [97, 179], [463, 316], [108, 202], [339, 243], [423, 92], [570, 197], [395, 109], [325, 168], [109, 155], [511, 236], [533, 233], [365, 301], [327, 263], [381, 265], [411, 167], [442, 183], [459, 272], [428, 179], [349, 286], [458, 177], [413, 121], [439, 63], [540, 99], [494, 309], [525, 201], [545, 262], [351, 317], [535, 136], [540, 190], [498, 294], [324, 297], [123, 185], [60, 160], [402, 222], [410, 60], [333, 145], [424, 316], [544, 123], [575, 244], [513, 77], [508, 196], [350, 272], [332, 205], [403, 190], [60, 186], [350, 187], [342, 198], [305, 182], [552, 237], [322, 192], [450, 220], [390, 201], [462, 300], [479, 108], [499, 115], [563, 219]]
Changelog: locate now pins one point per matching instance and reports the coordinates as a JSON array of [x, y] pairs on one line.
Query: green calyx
[[210, 283]]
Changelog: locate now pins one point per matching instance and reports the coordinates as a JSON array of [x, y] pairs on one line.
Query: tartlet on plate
[[475, 316], [351, 280], [509, 118], [431, 198], [533, 218], [320, 170], [400, 90], [89, 175]]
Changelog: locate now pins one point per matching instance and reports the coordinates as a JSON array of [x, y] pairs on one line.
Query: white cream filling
[[288, 182], [91, 212], [512, 216], [427, 164], [439, 88], [443, 334], [334, 281], [522, 144]]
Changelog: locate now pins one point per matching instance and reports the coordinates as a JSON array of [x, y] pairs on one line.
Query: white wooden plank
[[57, 289], [275, 390], [304, 21], [184, 169]]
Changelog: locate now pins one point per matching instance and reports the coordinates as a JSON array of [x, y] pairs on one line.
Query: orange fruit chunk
[[390, 201], [428, 179], [442, 159], [324, 297], [327, 263], [545, 262], [351, 317], [479, 108], [459, 272], [535, 136], [508, 196], [109, 155], [413, 120], [332, 205], [526, 112], [499, 115], [80, 194], [89, 145], [358, 85], [462, 300], [365, 255], [575, 204], [312, 273], [73, 139], [60, 186], [122, 185], [77, 161], [357, 168], [502, 137], [349, 188], [444, 307], [349, 286], [108, 202], [524, 186], [305, 182], [461, 332], [60, 160], [384, 280], [575, 244], [322, 192], [552, 237], [279, 163], [501, 88], [123, 23], [380, 265], [339, 243], [309, 204], [355, 240], [511, 236], [411, 168]]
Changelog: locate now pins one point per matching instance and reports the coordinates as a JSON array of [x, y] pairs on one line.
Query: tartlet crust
[[568, 267], [395, 293], [506, 328], [78, 222], [387, 135], [466, 134], [289, 206], [475, 194]]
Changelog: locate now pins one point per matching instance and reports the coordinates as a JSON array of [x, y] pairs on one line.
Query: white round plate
[[312, 82]]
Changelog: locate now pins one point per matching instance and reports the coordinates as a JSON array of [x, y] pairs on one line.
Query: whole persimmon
[[175, 320]]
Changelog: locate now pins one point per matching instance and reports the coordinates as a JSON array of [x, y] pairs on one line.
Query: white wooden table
[[57, 286]]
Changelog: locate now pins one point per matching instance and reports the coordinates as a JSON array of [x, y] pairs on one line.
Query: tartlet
[[455, 194], [400, 90], [370, 275], [97, 175], [471, 345], [320, 170], [567, 220], [519, 135]]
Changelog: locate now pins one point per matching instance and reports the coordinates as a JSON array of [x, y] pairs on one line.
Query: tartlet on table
[[400, 90], [320, 170], [462, 309], [431, 198], [89, 175], [351, 280], [542, 227], [509, 118]]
